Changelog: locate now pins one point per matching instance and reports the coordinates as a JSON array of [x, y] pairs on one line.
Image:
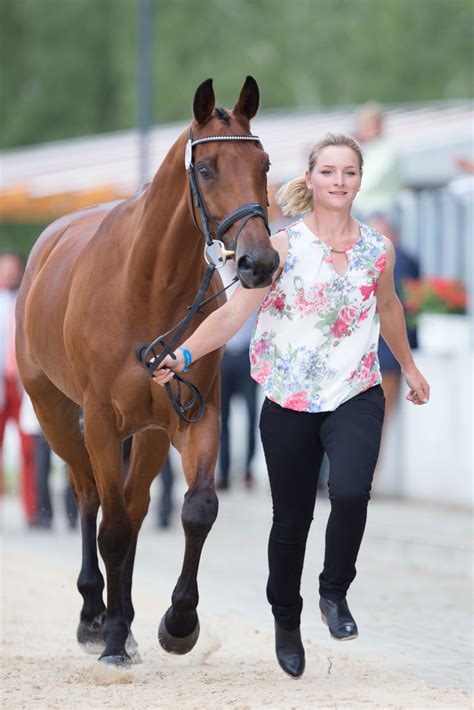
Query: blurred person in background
[[406, 267], [165, 501], [314, 350], [462, 187], [11, 390], [42, 456], [382, 178], [236, 382]]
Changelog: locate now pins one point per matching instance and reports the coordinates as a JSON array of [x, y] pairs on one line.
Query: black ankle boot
[[289, 651], [338, 618]]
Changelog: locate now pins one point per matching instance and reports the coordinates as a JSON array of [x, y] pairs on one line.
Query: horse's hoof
[[131, 647], [137, 659], [116, 661], [174, 644], [90, 635]]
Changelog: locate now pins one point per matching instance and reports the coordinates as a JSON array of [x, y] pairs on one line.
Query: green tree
[[68, 67]]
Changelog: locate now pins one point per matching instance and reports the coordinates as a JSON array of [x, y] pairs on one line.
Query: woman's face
[[336, 177]]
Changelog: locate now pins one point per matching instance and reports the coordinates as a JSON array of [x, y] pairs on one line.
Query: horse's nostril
[[244, 263]]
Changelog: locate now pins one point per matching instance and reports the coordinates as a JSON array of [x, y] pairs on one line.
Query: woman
[[314, 350]]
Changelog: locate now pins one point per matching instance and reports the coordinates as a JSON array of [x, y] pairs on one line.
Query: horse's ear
[[249, 99], [204, 101]]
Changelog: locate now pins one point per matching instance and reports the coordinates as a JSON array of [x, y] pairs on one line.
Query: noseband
[[215, 255]]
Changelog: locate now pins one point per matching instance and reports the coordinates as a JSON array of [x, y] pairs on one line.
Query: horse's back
[[76, 228]]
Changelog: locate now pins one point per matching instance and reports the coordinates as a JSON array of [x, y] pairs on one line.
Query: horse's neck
[[167, 250]]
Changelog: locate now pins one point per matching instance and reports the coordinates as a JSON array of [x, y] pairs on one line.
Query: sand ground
[[411, 600]]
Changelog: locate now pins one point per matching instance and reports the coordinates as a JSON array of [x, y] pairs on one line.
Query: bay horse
[[97, 284]]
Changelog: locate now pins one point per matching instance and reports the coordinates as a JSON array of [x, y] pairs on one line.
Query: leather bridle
[[215, 255]]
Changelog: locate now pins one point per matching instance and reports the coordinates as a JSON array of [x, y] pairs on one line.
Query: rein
[[215, 255]]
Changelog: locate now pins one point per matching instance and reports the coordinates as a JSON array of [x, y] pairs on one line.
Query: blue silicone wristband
[[187, 358]]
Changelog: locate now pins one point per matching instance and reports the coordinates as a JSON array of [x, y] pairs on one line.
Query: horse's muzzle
[[255, 272]]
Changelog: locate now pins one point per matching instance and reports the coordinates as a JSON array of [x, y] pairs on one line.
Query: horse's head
[[231, 181]]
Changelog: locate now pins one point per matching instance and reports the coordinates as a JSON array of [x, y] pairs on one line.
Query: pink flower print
[[297, 401], [339, 328], [363, 374], [367, 291], [265, 370], [253, 358], [301, 299], [373, 379], [364, 314], [381, 262], [279, 303], [348, 313], [260, 347], [369, 360]]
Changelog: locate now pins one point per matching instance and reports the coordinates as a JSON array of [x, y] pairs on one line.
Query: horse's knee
[[199, 510]]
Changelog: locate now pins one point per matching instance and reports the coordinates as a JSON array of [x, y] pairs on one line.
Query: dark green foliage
[[68, 67], [19, 238]]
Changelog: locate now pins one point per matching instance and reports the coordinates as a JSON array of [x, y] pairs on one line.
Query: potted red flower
[[438, 307]]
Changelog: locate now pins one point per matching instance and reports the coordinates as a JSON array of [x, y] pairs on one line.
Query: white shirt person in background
[[382, 170]]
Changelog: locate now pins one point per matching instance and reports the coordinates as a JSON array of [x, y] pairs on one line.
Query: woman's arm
[[221, 325], [393, 331]]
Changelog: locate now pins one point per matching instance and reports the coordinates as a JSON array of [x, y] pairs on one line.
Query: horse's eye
[[267, 166], [204, 172]]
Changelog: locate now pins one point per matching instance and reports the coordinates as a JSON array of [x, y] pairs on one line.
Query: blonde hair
[[295, 198]]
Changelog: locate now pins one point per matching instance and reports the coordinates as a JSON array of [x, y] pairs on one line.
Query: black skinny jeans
[[294, 444]]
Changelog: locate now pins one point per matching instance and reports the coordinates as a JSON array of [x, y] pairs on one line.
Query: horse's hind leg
[[179, 627], [59, 419], [115, 533]]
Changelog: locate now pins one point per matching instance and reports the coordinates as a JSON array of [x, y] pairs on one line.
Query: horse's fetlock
[[116, 629], [91, 584], [185, 601]]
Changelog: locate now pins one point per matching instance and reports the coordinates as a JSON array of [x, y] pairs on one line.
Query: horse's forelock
[[223, 115]]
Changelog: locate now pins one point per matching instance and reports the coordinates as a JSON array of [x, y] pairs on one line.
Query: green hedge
[[19, 237]]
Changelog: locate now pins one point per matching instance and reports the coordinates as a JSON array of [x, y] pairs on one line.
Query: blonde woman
[[314, 351]]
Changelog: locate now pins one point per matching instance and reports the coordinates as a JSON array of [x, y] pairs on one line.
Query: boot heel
[[337, 617]]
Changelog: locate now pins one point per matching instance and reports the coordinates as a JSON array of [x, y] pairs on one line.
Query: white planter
[[444, 334]]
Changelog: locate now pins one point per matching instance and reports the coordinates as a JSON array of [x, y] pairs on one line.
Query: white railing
[[437, 227]]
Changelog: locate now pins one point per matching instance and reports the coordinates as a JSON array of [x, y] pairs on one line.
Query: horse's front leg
[[115, 533], [147, 458], [179, 627]]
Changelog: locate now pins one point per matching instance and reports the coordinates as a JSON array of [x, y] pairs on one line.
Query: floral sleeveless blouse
[[315, 340]]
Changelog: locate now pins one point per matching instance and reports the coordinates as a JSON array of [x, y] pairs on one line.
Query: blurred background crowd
[[97, 91]]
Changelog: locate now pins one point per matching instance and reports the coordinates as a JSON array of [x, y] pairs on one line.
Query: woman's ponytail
[[295, 198]]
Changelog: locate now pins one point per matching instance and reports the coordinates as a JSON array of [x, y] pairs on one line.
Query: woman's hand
[[419, 388], [168, 367]]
